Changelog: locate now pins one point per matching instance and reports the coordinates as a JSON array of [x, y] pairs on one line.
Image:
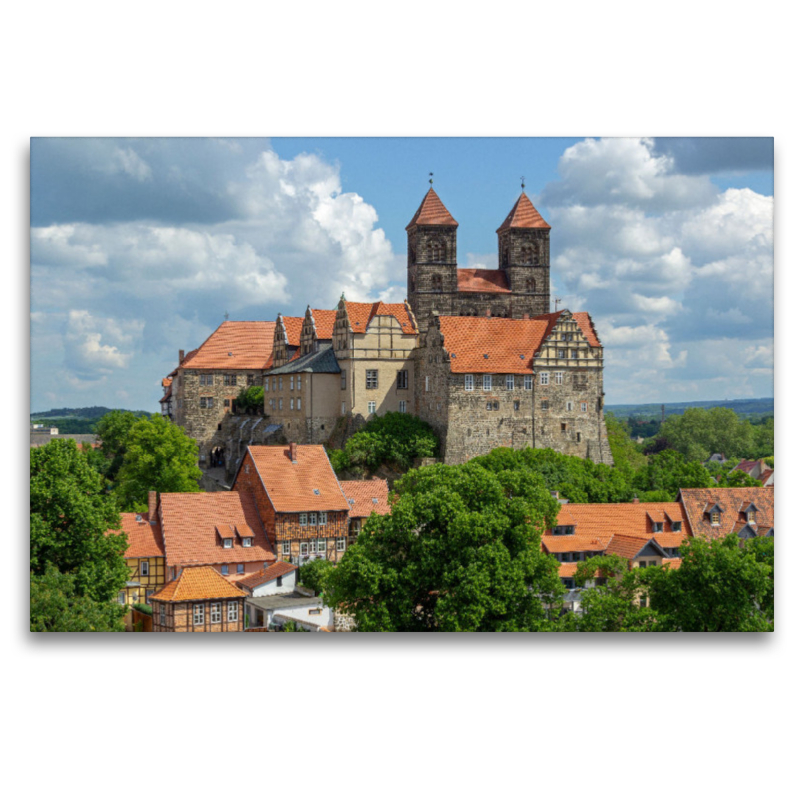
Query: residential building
[[758, 469], [714, 513], [199, 600], [364, 499]]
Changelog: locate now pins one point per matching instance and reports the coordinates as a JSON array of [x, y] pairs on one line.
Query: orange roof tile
[[493, 281], [432, 212], [626, 546], [198, 583], [575, 543], [587, 327], [191, 521], [361, 314], [671, 563], [324, 320], [235, 345], [523, 215], [363, 495], [265, 575], [144, 540], [292, 327], [310, 484], [699, 501]]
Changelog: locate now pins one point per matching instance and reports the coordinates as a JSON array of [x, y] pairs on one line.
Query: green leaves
[[251, 399]]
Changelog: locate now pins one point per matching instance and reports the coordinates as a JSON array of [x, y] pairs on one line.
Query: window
[[286, 548], [240, 569], [544, 379], [371, 406], [227, 543], [304, 519], [272, 404], [280, 404], [247, 542], [652, 563], [559, 378], [148, 594], [569, 405], [436, 281], [529, 382], [121, 598], [344, 408], [216, 612], [174, 573], [489, 406], [251, 380], [279, 581], [298, 404], [144, 568], [227, 403], [469, 383], [751, 516], [322, 546], [233, 610], [676, 526], [402, 406], [206, 402], [299, 384], [340, 545], [274, 384], [562, 354], [372, 379], [516, 405], [314, 611], [487, 383], [427, 383], [291, 403], [312, 518], [715, 517], [199, 614], [303, 548], [642, 564], [584, 406], [573, 353], [509, 382], [563, 427], [578, 436], [162, 615], [658, 527], [323, 517], [291, 382], [402, 379], [229, 380], [224, 569]]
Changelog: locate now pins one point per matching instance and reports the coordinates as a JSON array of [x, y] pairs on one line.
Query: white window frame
[[569, 405], [312, 518], [340, 545], [322, 518], [303, 548], [286, 548], [280, 404], [371, 407], [291, 383], [487, 383], [322, 546], [372, 379], [299, 384], [299, 404], [162, 615], [303, 520], [544, 379], [584, 406], [198, 614], [528, 382], [291, 404], [402, 407], [216, 613], [558, 378], [233, 610], [247, 541], [509, 383], [144, 568], [227, 544], [469, 383]]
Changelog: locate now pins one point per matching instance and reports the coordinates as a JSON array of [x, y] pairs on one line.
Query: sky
[[140, 247]]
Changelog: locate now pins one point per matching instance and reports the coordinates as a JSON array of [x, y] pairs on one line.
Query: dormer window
[[227, 543], [563, 530], [658, 527], [676, 526], [247, 542], [751, 516], [715, 518]]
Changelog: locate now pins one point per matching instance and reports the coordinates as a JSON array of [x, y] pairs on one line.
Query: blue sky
[[139, 247]]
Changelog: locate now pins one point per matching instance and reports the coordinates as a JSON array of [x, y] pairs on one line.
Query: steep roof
[[324, 320], [364, 497], [195, 523], [198, 583], [309, 484], [731, 502], [523, 215], [144, 540], [235, 345], [361, 314], [431, 211], [492, 281], [323, 360], [292, 327], [266, 575]]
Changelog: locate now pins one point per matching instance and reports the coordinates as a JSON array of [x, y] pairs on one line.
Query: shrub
[[314, 574], [251, 399], [145, 608], [339, 460], [392, 438]]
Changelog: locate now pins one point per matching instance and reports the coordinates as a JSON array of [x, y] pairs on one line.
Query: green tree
[[460, 551], [158, 456], [391, 438], [699, 432], [668, 472], [720, 586], [762, 548], [112, 429], [70, 513], [57, 605], [623, 449], [314, 574], [251, 399], [736, 478]]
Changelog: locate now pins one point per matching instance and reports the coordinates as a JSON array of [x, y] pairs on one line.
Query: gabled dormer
[[226, 536], [713, 515], [749, 513]]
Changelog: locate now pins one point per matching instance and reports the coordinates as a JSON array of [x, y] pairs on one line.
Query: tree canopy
[[460, 551], [699, 432]]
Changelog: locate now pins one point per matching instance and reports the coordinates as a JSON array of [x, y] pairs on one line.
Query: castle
[[477, 353]]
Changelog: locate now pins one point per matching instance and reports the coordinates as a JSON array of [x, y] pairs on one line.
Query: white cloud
[[129, 162], [85, 349]]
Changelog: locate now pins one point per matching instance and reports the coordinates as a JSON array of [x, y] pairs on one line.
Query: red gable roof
[[494, 281], [731, 502], [198, 583], [310, 484], [432, 212], [292, 327], [144, 540], [361, 314], [324, 320], [234, 345], [523, 215], [364, 495], [266, 575]]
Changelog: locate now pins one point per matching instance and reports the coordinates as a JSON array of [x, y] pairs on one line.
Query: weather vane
[[523, 182], [556, 300], [430, 179], [227, 315]]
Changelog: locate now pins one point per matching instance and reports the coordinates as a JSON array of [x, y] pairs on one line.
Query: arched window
[[530, 286], [526, 255], [436, 283]]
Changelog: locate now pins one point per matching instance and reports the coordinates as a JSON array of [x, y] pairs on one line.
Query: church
[[477, 353]]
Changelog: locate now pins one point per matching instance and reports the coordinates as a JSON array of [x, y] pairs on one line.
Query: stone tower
[[523, 250], [432, 265]]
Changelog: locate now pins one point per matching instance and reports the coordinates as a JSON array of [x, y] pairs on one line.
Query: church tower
[[523, 243], [432, 265]]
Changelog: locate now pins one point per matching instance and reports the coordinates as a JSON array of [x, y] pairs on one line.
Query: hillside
[[92, 412], [744, 408]]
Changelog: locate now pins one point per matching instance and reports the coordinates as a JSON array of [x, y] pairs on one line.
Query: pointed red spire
[[432, 212], [523, 215]]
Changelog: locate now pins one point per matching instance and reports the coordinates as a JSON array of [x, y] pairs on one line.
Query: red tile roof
[[235, 345], [361, 314], [587, 327], [144, 540], [626, 546], [432, 212], [265, 575], [292, 327], [698, 502], [575, 543], [192, 523], [198, 583], [492, 281], [364, 494], [324, 320], [523, 215], [293, 487]]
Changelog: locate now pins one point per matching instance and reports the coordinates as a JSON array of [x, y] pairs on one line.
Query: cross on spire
[[430, 178], [522, 179]]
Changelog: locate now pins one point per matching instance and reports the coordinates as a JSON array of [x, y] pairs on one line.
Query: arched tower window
[[526, 255], [436, 283], [530, 286]]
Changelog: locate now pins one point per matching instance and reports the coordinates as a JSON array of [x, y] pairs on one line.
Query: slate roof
[[732, 503], [192, 523], [523, 215], [432, 211], [291, 486], [198, 583], [144, 540], [363, 495], [488, 281], [235, 345], [361, 314], [271, 573], [323, 361]]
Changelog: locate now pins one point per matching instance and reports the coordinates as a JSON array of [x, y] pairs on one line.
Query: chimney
[[635, 499], [152, 505], [488, 312], [526, 315], [180, 356], [293, 452]]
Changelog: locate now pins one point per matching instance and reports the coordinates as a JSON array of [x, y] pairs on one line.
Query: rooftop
[[198, 583], [361, 314], [323, 361], [366, 497], [432, 212], [144, 540], [271, 573], [234, 345], [523, 215]]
